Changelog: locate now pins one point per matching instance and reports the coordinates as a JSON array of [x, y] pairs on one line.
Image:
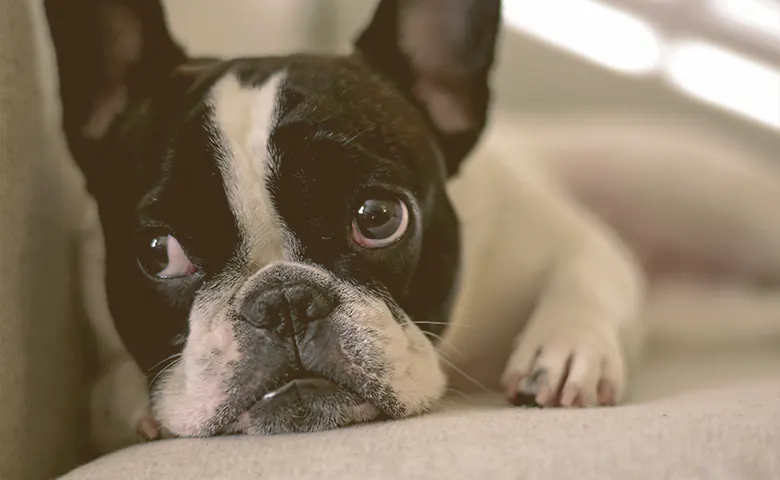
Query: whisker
[[443, 355], [462, 394], [175, 355], [441, 323], [435, 336], [168, 367], [465, 375], [439, 338]]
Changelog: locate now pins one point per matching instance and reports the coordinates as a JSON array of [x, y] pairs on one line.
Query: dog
[[295, 243]]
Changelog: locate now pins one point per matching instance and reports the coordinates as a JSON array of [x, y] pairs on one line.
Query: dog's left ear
[[440, 53]]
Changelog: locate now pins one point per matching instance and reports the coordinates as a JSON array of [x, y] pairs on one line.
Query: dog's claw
[[148, 429], [534, 383], [519, 393], [606, 393], [560, 369]]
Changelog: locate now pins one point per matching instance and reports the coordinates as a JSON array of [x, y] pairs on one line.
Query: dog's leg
[[585, 327], [120, 412], [541, 270]]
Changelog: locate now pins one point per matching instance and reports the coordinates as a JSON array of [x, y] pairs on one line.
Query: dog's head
[[282, 223]]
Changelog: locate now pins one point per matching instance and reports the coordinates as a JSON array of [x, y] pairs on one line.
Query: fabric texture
[[40, 362], [728, 434]]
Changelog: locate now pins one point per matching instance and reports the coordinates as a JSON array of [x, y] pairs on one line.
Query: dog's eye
[[164, 258], [380, 223]]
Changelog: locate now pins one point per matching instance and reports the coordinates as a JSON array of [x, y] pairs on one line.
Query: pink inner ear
[[121, 35], [192, 69], [448, 110], [188, 74], [107, 106], [431, 35]]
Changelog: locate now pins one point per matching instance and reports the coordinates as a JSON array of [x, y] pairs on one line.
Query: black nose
[[287, 308]]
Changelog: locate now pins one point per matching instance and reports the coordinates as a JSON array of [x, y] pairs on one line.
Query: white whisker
[[462, 394], [175, 355], [175, 361], [465, 375], [423, 322], [439, 338]]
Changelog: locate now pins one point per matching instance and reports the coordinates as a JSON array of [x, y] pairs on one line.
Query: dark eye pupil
[[379, 219], [154, 259]]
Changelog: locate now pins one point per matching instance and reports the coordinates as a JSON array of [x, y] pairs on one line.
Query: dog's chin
[[308, 403], [304, 405]]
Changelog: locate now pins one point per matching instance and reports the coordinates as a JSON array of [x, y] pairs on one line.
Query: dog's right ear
[[440, 54], [108, 53]]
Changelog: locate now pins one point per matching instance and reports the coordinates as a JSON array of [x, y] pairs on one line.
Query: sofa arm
[[41, 365]]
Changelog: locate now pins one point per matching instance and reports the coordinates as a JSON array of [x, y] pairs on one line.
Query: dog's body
[[663, 220], [281, 247]]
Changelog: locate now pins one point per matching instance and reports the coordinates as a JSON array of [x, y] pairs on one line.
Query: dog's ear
[[108, 53], [440, 53]]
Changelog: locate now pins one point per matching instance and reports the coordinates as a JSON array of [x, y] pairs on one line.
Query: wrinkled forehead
[[276, 143], [335, 97]]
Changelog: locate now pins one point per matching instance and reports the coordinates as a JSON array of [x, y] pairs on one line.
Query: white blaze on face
[[244, 117]]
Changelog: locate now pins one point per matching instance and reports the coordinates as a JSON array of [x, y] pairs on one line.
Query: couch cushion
[[718, 434], [41, 390]]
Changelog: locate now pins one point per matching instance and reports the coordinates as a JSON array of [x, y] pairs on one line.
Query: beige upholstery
[[729, 433], [40, 361]]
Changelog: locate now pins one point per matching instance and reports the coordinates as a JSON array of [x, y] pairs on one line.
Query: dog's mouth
[[306, 403]]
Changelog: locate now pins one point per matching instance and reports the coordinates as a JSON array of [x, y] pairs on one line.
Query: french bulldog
[[278, 227], [295, 243]]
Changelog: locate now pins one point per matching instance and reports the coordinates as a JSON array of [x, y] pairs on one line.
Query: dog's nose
[[287, 308]]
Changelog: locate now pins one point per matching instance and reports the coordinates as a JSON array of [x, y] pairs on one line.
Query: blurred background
[[712, 62]]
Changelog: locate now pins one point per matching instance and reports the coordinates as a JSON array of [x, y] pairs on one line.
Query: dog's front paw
[[147, 427], [568, 365], [120, 410]]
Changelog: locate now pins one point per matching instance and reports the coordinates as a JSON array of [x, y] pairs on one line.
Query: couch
[[708, 415]]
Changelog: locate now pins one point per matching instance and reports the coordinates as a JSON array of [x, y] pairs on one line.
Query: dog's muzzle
[[287, 310]]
